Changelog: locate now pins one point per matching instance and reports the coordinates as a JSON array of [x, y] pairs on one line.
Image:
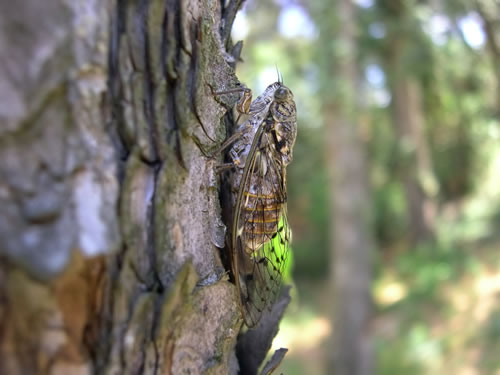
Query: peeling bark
[[111, 228]]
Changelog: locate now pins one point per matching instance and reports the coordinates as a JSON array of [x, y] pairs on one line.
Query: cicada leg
[[228, 142], [243, 105], [233, 153], [242, 108], [224, 167]]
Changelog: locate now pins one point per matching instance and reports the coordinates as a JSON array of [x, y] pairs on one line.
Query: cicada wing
[[262, 241], [263, 280]]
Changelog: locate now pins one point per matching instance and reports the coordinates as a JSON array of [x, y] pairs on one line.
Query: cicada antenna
[[278, 74]]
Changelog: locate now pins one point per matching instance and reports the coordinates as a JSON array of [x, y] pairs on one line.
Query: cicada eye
[[281, 93]]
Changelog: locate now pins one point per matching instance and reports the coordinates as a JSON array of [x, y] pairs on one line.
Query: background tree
[[351, 240], [443, 146], [489, 12], [403, 50]]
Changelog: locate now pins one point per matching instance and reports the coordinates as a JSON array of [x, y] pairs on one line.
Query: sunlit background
[[436, 292]]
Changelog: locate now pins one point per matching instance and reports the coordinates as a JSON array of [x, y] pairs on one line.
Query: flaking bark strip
[[170, 44], [155, 33], [253, 345], [138, 334], [274, 362], [135, 203], [176, 299], [142, 127]]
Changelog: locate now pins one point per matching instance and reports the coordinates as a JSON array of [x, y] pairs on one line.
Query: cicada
[[260, 235]]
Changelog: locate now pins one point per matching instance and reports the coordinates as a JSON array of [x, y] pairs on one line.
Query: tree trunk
[[352, 243], [415, 162], [416, 166], [489, 13], [110, 224]]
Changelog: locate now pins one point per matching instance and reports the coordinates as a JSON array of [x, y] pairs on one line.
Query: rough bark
[[54, 156], [110, 225], [352, 244]]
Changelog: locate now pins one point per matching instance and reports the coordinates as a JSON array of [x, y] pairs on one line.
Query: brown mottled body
[[258, 181]]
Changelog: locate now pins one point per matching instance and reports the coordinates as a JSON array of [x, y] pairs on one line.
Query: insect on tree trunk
[[110, 228]]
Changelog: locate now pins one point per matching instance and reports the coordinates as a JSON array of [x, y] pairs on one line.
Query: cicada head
[[283, 94]]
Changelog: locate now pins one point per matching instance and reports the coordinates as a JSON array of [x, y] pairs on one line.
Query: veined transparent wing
[[260, 232]]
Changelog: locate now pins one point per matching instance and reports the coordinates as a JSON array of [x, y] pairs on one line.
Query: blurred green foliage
[[446, 318]]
